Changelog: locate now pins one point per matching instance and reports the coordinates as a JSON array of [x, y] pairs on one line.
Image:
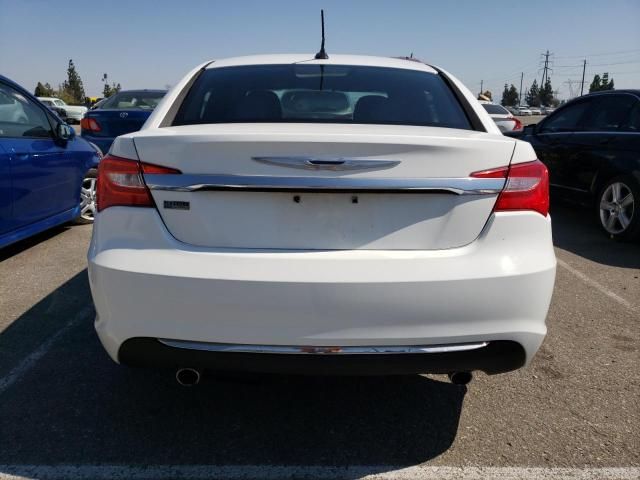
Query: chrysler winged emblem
[[124, 115]]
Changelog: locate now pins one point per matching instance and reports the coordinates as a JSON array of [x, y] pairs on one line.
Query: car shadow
[[75, 406], [575, 229], [22, 245]]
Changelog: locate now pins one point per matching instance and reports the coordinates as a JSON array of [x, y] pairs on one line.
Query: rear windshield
[[321, 94], [129, 100], [494, 109]]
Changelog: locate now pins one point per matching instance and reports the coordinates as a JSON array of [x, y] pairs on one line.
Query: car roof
[[633, 91], [134, 90], [309, 59]]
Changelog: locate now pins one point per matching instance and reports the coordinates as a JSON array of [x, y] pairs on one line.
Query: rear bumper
[[147, 286], [496, 357]]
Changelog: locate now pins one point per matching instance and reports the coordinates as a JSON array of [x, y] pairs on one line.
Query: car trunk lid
[[323, 186], [117, 122]]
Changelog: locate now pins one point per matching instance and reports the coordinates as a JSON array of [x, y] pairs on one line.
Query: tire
[[618, 208], [88, 198]]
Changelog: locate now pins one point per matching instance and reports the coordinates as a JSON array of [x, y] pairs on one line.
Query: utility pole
[[481, 84], [584, 67], [520, 91], [546, 66]]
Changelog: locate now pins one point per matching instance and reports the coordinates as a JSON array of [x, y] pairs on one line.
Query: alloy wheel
[[616, 208], [88, 199]]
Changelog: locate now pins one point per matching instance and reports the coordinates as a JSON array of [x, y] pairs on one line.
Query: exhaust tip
[[188, 377], [460, 378]]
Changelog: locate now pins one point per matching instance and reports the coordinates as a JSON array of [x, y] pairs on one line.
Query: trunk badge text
[[175, 205], [124, 115]]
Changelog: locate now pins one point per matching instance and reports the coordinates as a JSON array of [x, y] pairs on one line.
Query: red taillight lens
[[90, 124], [527, 187], [518, 125], [120, 182]]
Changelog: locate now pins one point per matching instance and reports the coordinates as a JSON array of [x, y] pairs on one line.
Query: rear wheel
[[88, 197], [618, 204]]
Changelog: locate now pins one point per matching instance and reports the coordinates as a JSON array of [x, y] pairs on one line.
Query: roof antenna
[[322, 55]]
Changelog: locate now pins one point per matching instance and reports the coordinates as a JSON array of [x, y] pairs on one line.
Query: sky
[[152, 44]]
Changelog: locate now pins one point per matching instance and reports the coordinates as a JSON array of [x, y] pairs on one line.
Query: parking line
[[268, 472], [597, 285], [28, 363]]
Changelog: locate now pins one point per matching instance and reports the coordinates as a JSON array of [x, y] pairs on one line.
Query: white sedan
[[345, 215], [504, 119], [523, 110], [73, 113]]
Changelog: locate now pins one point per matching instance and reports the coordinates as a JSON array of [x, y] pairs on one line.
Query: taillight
[[120, 182], [90, 124], [526, 188], [518, 125]]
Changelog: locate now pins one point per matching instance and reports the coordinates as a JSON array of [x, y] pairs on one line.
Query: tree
[[509, 96], [601, 83], [606, 83], [546, 93], [44, 90], [505, 95], [109, 90], [72, 88], [533, 95]]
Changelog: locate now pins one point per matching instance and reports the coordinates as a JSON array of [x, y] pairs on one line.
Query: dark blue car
[[47, 174], [124, 112]]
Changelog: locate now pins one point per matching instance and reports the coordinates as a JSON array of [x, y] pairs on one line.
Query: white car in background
[[73, 113], [504, 119], [344, 215], [547, 110], [535, 110], [523, 110]]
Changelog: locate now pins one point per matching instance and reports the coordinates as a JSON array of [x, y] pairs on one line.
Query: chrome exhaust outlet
[[188, 377], [460, 378]]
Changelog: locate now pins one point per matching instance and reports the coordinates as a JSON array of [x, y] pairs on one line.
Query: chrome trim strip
[[261, 183], [321, 350], [335, 164]]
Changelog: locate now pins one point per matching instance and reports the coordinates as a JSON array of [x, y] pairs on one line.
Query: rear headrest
[[258, 105], [371, 108]]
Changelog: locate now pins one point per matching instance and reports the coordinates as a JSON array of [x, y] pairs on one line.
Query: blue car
[[47, 174], [124, 112]]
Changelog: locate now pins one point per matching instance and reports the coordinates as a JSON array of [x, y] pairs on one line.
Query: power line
[[600, 54], [598, 64]]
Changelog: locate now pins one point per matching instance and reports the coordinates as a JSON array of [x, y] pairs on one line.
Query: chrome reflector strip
[[326, 350], [262, 183], [326, 163]]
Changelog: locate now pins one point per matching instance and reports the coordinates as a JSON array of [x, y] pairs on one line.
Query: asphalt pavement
[[68, 411]]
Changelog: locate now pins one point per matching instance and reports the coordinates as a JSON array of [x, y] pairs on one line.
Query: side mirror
[[64, 132]]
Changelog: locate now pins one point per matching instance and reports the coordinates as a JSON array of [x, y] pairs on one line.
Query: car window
[[608, 113], [494, 109], [137, 100], [321, 94], [565, 120], [21, 117], [59, 103], [633, 125]]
